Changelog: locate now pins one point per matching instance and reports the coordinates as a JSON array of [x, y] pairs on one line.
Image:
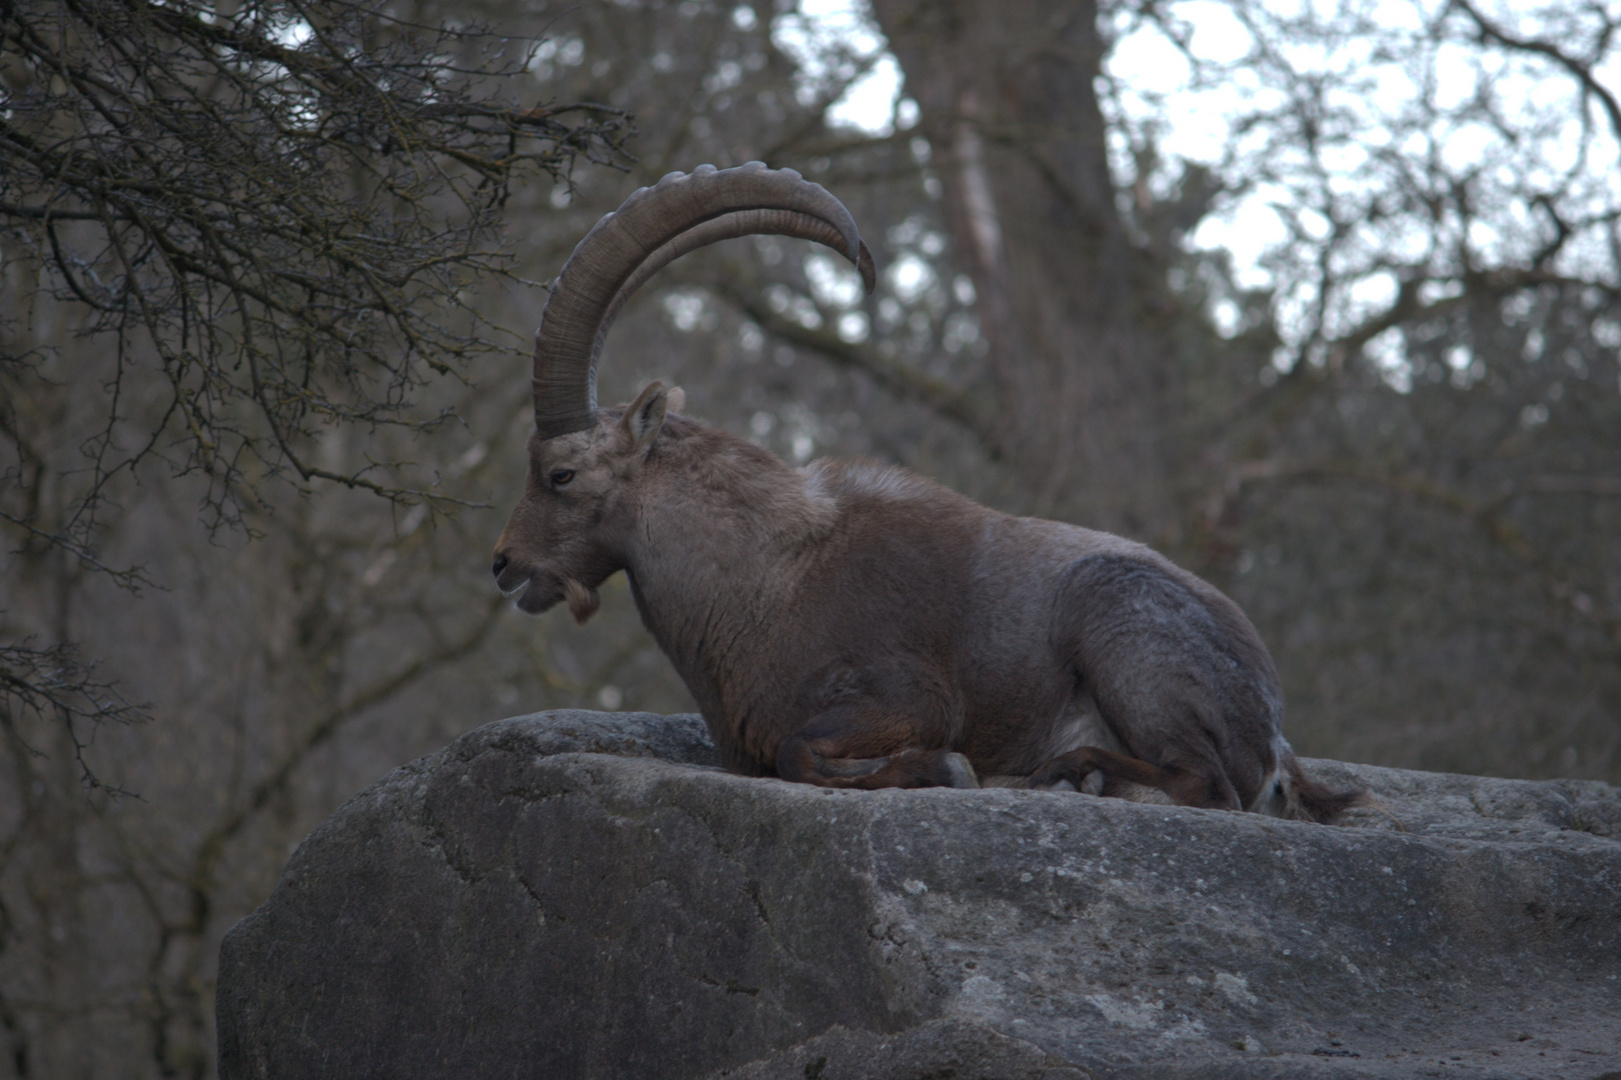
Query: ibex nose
[[500, 565]]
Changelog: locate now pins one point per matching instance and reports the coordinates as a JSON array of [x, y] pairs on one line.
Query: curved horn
[[655, 226], [727, 227]]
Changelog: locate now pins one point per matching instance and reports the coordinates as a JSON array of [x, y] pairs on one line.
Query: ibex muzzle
[[849, 625]]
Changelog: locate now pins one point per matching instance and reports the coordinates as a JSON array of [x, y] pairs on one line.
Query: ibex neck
[[726, 532]]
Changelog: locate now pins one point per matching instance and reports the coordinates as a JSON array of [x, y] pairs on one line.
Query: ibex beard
[[855, 626]]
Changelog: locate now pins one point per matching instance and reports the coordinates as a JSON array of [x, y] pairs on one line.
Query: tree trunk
[[1082, 372]]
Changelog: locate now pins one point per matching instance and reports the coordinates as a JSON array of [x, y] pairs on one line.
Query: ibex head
[[565, 536], [586, 466]]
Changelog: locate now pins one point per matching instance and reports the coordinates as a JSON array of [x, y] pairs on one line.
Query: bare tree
[[267, 218], [1418, 484], [1079, 350], [239, 252]]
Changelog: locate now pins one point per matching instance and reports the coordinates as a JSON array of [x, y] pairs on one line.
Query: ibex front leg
[[868, 747]]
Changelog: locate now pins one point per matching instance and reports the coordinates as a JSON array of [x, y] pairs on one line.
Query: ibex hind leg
[[1179, 676], [908, 769], [842, 751], [1206, 787]]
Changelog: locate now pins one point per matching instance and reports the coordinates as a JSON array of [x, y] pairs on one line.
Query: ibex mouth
[[534, 592], [541, 593]]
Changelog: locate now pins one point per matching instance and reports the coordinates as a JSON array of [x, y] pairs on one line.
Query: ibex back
[[850, 625]]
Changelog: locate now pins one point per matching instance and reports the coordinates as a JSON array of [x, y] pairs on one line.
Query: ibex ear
[[645, 416]]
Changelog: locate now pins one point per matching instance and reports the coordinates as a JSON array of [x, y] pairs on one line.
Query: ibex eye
[[562, 476]]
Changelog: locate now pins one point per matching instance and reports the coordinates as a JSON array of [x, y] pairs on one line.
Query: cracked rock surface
[[576, 894]]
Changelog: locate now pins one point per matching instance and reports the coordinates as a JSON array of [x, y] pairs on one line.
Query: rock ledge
[[578, 894]]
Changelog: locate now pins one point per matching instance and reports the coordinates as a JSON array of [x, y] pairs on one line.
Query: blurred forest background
[[1323, 300]]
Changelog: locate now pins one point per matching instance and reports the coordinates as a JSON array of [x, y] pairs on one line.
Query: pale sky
[[1196, 125]]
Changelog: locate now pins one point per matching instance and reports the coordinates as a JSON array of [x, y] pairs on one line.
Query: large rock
[[583, 895]]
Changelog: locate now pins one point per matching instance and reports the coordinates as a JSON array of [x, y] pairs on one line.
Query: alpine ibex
[[850, 625]]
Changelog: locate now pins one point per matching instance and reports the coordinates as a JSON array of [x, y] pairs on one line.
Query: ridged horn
[[652, 228]]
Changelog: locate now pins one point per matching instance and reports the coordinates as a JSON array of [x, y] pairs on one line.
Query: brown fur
[[850, 625], [582, 601]]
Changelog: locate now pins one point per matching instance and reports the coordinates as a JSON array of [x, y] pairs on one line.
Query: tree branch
[[1583, 74], [900, 379]]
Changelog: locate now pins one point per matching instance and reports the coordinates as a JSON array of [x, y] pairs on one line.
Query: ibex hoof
[[960, 772]]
